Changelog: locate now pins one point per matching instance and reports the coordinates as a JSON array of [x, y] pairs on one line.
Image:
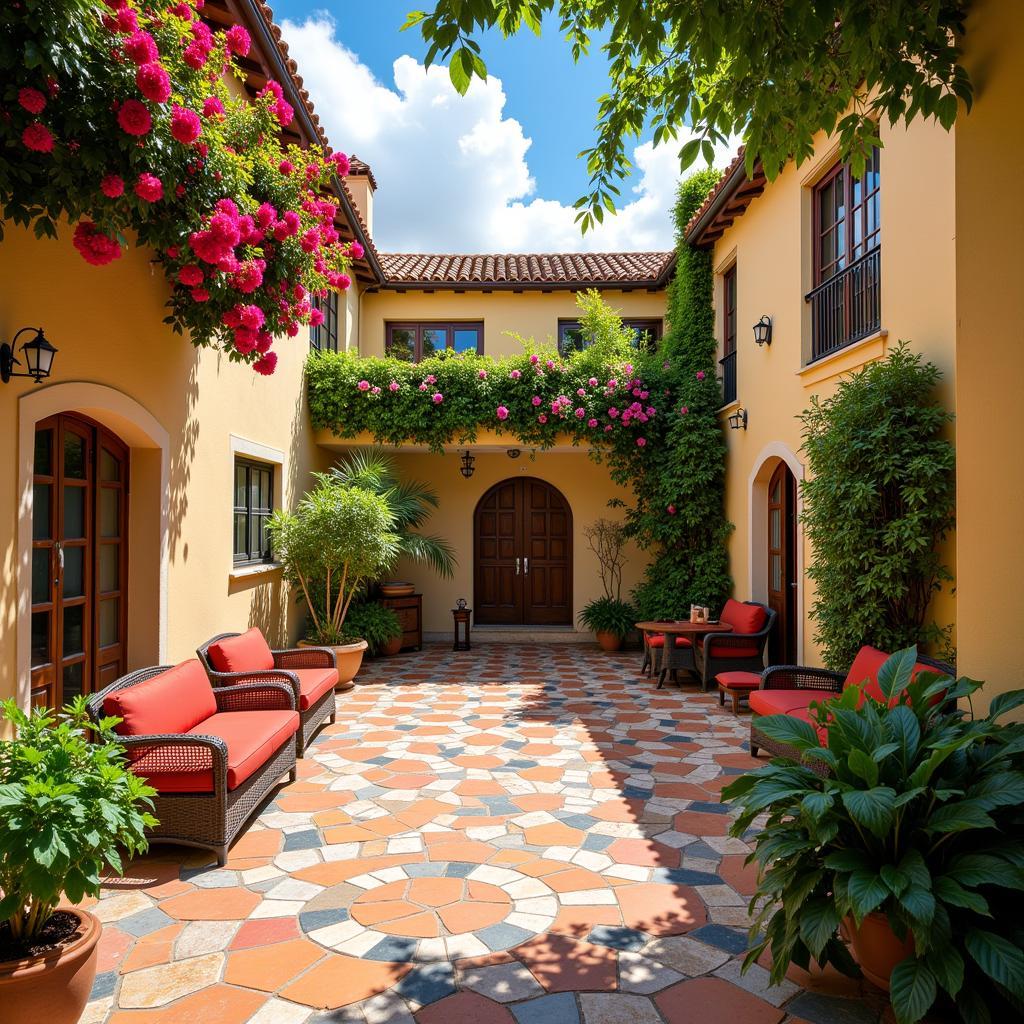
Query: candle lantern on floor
[[461, 616]]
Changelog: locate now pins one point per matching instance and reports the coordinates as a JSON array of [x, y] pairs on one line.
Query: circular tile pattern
[[442, 910]]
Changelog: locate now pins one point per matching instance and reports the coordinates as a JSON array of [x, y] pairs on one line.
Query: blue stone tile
[[559, 1008], [732, 940], [310, 920], [104, 985], [667, 723], [144, 922], [635, 793], [677, 739], [580, 821], [514, 744], [618, 938], [428, 984], [393, 948], [683, 876], [597, 843], [306, 840], [821, 1009], [628, 742], [521, 762], [470, 812], [706, 807], [734, 771], [433, 870], [379, 760], [503, 936], [459, 869], [702, 850]]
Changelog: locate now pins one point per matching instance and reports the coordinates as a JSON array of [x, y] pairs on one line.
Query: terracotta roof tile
[[361, 169], [702, 229], [528, 270]]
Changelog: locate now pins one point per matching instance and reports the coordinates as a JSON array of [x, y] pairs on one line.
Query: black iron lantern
[[763, 331], [738, 419], [467, 468], [37, 354]]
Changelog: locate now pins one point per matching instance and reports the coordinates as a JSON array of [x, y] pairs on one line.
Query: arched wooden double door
[[782, 572], [79, 559], [522, 542]]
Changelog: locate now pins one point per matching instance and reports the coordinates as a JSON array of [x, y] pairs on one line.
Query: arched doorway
[[783, 580], [522, 551], [79, 608]]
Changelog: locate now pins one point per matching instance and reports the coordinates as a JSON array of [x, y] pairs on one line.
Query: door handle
[[60, 563], [526, 566], [517, 566]]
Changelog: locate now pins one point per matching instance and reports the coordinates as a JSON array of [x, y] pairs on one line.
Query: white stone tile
[[359, 944], [496, 876], [293, 889], [280, 1011], [334, 934], [588, 898], [276, 908]]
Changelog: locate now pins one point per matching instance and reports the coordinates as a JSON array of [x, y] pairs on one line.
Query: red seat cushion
[[783, 702], [173, 701], [864, 673], [658, 640], [252, 737], [313, 684], [247, 652], [739, 680], [744, 618]]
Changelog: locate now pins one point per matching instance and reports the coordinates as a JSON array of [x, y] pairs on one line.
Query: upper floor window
[[254, 503], [846, 299], [324, 338], [646, 334], [728, 360], [414, 342]]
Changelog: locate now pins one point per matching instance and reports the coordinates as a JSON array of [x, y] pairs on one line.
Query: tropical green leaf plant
[[377, 625], [908, 807], [69, 806], [609, 615], [411, 503], [337, 538]]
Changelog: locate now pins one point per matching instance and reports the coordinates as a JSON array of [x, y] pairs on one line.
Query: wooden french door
[[782, 578], [79, 559], [523, 555]]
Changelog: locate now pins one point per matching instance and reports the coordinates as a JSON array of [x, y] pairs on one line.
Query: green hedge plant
[[377, 625], [68, 806], [919, 818]]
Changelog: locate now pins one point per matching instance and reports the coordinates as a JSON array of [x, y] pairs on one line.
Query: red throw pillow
[[172, 702], [247, 652], [864, 674], [744, 618]]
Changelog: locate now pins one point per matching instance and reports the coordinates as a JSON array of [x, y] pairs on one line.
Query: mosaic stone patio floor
[[515, 835]]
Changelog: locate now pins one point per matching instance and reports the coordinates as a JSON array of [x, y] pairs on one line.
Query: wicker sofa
[[213, 755], [743, 649], [311, 672], [790, 690]]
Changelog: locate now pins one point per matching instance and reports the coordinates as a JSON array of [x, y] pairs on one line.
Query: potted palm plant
[[68, 806], [898, 836], [337, 538]]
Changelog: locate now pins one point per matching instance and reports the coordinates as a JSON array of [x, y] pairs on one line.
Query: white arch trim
[[138, 428], [757, 519]]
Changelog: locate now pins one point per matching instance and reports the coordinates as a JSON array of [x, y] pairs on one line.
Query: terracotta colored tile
[[479, 787], [220, 1003], [307, 801], [386, 826], [618, 810], [661, 909], [339, 980], [539, 801], [267, 968], [742, 877], [541, 868], [465, 1008], [264, 843], [462, 849], [476, 761], [423, 925], [113, 946], [472, 916], [679, 791], [575, 880], [388, 891], [227, 904], [348, 834], [542, 774], [265, 932], [334, 817], [699, 823], [562, 964], [555, 834], [578, 921], [487, 893], [511, 858], [421, 812], [374, 913], [436, 892], [714, 1001]]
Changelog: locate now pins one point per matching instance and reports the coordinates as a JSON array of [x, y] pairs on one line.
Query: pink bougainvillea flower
[[671, 510], [238, 40], [112, 185], [580, 413], [195, 56], [95, 247], [185, 125], [375, 390], [134, 118], [149, 188], [264, 339], [592, 382], [140, 48], [683, 410], [245, 340], [613, 412], [641, 441], [536, 400], [516, 374], [430, 378], [356, 251], [212, 107], [266, 365], [200, 295], [37, 137], [251, 317], [394, 386], [481, 375], [591, 423], [316, 318], [32, 100], [502, 413], [286, 167], [437, 398], [701, 375], [363, 385], [154, 83], [191, 275], [126, 20], [341, 163], [423, 387], [608, 429], [542, 418], [534, 360]]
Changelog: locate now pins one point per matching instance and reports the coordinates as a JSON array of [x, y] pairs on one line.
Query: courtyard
[[512, 835]]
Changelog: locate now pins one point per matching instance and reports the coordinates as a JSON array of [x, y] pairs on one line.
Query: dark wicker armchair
[[286, 663], [208, 820], [730, 652]]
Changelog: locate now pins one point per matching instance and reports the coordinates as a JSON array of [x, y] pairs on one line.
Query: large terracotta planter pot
[[876, 948], [53, 987], [392, 647], [609, 641], [349, 658]]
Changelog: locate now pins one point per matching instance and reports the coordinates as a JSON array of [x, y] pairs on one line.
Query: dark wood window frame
[[729, 358], [248, 552], [418, 327], [324, 338], [654, 325]]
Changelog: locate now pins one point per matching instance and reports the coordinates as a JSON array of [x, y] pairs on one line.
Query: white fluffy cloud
[[451, 170]]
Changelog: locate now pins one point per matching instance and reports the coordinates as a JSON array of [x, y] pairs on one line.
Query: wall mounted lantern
[[763, 331], [467, 468], [513, 453], [37, 353], [738, 419]]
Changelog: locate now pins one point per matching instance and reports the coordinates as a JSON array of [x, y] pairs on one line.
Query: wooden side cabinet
[[410, 614]]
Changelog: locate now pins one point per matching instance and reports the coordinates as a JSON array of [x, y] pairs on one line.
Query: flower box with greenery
[[913, 845], [609, 617], [119, 120], [377, 625], [68, 807]]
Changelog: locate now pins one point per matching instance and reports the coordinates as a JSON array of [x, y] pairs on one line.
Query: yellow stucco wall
[[770, 247], [120, 364], [989, 350], [531, 314]]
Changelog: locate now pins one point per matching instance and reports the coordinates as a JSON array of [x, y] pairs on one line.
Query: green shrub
[[879, 500], [68, 806], [373, 623], [607, 615]]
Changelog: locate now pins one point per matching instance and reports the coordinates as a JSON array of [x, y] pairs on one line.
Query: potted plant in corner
[[610, 618], [378, 626], [900, 832], [337, 538], [68, 805]]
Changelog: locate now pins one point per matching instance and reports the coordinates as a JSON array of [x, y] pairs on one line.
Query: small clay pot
[[349, 658], [876, 948], [392, 647], [609, 641], [55, 986]]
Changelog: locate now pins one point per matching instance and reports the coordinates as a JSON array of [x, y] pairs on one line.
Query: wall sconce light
[[467, 468], [38, 354], [738, 419], [763, 331], [513, 453]]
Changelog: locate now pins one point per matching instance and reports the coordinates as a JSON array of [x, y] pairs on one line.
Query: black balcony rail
[[846, 307], [728, 365]]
